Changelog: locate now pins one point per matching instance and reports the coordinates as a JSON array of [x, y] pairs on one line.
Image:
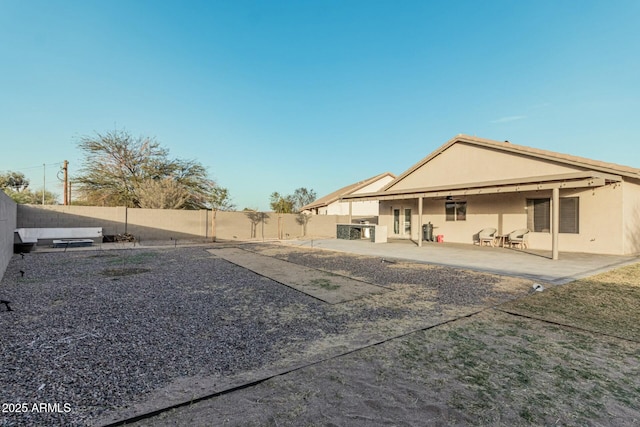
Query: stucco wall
[[375, 186], [600, 219], [8, 224], [462, 163], [368, 208], [631, 216]]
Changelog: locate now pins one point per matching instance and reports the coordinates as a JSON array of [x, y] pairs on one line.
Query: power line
[[32, 167]]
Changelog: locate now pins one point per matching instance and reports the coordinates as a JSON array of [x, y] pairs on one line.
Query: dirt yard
[[571, 357], [129, 333]]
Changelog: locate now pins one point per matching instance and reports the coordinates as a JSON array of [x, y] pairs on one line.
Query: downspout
[[555, 225], [420, 221]]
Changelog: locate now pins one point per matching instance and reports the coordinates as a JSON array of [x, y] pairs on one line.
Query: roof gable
[[468, 159], [367, 185]]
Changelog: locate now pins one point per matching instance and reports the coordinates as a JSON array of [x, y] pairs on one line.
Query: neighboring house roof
[[344, 191], [610, 168]]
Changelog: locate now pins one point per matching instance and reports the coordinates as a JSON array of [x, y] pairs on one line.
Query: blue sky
[[276, 95]]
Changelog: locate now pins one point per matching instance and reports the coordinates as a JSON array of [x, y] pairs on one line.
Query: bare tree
[[162, 194], [301, 197], [256, 218], [219, 200], [117, 165], [303, 219]]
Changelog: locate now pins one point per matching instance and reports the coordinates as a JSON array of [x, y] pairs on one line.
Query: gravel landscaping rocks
[[453, 286], [98, 330]]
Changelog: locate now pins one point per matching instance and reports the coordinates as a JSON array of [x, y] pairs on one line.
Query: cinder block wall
[[268, 225], [165, 224], [111, 219], [144, 224], [8, 213]]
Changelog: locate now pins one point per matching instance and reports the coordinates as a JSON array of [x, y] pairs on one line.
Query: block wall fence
[[8, 213], [166, 224]]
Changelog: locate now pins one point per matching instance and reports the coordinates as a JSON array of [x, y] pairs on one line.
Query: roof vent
[[507, 141]]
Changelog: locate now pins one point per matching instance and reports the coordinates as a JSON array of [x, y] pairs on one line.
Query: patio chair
[[518, 238], [487, 235]]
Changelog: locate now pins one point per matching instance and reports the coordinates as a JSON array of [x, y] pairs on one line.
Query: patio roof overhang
[[583, 179]]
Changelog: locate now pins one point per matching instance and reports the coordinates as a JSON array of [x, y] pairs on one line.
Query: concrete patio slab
[[535, 265]]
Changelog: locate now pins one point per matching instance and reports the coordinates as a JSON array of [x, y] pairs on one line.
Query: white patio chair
[[518, 238], [487, 235]]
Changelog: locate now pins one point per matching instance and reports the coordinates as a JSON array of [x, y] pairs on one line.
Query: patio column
[[555, 225], [350, 212], [420, 221]]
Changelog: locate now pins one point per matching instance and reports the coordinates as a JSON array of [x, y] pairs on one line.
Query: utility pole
[[44, 181], [65, 182]]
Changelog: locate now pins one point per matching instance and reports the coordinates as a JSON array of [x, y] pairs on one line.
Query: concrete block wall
[[8, 214], [111, 219], [165, 224], [269, 225], [144, 224]]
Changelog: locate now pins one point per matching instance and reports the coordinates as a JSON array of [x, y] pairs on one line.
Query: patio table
[[501, 239]]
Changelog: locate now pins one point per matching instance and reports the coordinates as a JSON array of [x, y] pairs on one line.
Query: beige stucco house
[[331, 204], [568, 203]]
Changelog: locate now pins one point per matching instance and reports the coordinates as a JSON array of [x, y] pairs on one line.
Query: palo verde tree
[[121, 170]]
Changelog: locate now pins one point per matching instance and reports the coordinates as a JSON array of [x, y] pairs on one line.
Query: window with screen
[[539, 215], [455, 211]]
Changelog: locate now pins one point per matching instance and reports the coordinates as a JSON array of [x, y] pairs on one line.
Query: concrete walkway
[[535, 265], [328, 287]]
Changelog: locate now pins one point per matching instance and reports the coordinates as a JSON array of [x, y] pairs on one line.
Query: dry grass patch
[[492, 369], [497, 369], [608, 303]]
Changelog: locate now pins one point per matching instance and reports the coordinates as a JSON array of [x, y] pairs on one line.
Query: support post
[[420, 221], [555, 225], [350, 212], [65, 183], [213, 224]]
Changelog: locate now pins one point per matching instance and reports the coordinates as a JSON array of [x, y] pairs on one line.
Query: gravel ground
[[98, 330], [453, 286]]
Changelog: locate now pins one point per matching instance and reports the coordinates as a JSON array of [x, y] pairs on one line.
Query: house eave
[[584, 179]]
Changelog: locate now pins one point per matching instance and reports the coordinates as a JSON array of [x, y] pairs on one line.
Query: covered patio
[[558, 202], [539, 186]]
